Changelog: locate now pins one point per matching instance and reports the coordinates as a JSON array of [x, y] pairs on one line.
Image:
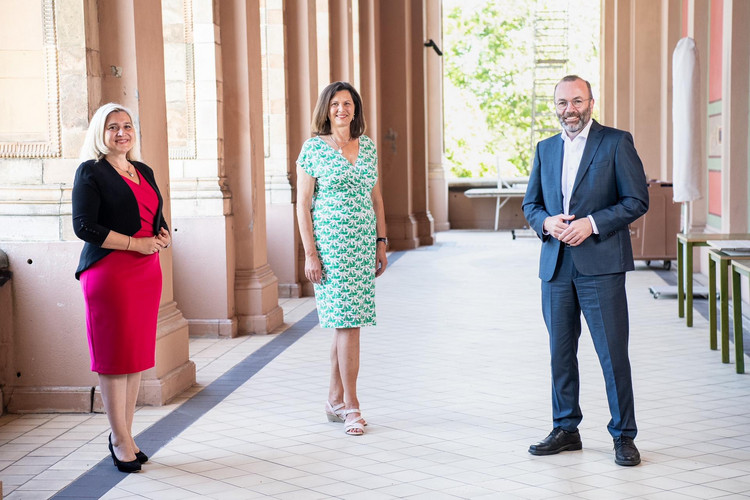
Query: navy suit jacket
[[610, 185]]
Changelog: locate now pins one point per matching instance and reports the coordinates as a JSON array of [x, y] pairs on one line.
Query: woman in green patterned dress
[[342, 224]]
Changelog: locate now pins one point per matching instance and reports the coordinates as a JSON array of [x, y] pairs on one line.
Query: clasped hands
[[568, 229], [153, 244]]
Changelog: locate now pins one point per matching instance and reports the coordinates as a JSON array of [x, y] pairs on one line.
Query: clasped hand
[[568, 229], [153, 244]]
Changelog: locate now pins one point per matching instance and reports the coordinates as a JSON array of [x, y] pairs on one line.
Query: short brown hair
[[321, 124]]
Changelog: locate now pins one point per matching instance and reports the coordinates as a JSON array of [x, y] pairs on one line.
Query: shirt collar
[[583, 133]]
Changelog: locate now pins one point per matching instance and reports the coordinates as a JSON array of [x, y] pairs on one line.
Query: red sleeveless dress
[[122, 292]]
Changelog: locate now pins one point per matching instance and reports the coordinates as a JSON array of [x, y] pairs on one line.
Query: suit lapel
[[592, 144], [557, 154]]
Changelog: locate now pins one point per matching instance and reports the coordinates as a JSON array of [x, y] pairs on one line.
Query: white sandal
[[354, 428], [335, 413]]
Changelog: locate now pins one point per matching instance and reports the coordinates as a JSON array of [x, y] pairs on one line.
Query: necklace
[[337, 144], [131, 174]]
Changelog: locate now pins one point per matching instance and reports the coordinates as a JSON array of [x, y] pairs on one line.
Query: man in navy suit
[[587, 184]]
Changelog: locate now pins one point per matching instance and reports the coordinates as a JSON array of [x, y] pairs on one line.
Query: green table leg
[[739, 354], [711, 302], [724, 304], [689, 283], [680, 281]]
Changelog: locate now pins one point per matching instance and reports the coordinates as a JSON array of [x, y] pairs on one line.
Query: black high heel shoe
[[132, 466], [141, 457]]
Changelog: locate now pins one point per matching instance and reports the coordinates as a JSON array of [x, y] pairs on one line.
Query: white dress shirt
[[572, 153]]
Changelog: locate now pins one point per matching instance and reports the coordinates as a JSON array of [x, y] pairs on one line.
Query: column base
[[160, 391], [425, 228], [438, 192], [402, 232], [212, 328], [50, 400], [290, 290], [173, 371], [261, 324], [257, 298]]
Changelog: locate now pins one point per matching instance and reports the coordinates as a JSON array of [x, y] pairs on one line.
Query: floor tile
[[454, 382]]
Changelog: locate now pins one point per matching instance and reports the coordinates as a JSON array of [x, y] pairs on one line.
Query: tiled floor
[[455, 386]]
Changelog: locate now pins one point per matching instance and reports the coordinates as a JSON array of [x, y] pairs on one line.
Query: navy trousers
[[603, 302]]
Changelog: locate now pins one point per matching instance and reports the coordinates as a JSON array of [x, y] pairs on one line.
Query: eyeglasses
[[577, 103]]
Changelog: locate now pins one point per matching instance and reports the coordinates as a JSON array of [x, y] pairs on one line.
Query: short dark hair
[[574, 78], [321, 124]]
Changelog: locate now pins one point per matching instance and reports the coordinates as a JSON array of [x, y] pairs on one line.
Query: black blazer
[[103, 202]]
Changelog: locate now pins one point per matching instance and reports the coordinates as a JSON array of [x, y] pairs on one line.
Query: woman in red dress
[[117, 211]]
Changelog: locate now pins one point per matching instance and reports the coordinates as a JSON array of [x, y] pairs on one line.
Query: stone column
[[395, 113], [341, 40], [606, 97], [281, 227], [131, 49], [201, 202], [425, 228], [698, 10], [437, 186], [616, 77], [645, 100], [368, 66], [734, 119], [631, 32], [301, 96], [670, 35], [256, 286]]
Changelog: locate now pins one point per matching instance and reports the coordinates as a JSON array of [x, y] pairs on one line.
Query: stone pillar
[[645, 100], [616, 76], [437, 186], [632, 35], [132, 49], [606, 97], [280, 217], [670, 34], [341, 40], [256, 286], [418, 147], [368, 65], [302, 93], [698, 10], [734, 119], [323, 43], [395, 113], [201, 203]]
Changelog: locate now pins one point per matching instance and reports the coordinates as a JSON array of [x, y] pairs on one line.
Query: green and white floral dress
[[344, 230]]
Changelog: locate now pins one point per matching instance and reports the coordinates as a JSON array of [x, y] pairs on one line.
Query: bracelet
[[129, 238], [383, 239]]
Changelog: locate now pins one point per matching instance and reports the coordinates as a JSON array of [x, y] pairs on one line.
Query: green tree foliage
[[489, 59]]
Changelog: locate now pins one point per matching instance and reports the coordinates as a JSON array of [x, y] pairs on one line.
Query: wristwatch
[[383, 239]]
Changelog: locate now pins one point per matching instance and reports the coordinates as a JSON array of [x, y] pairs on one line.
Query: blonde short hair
[[93, 145]]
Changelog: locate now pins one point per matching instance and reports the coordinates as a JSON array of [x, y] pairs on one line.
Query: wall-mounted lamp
[[431, 43]]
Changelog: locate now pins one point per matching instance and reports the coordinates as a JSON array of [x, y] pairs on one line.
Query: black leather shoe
[[557, 441], [625, 451], [141, 457]]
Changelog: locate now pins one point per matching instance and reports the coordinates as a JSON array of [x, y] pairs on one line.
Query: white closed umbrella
[[687, 150]]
